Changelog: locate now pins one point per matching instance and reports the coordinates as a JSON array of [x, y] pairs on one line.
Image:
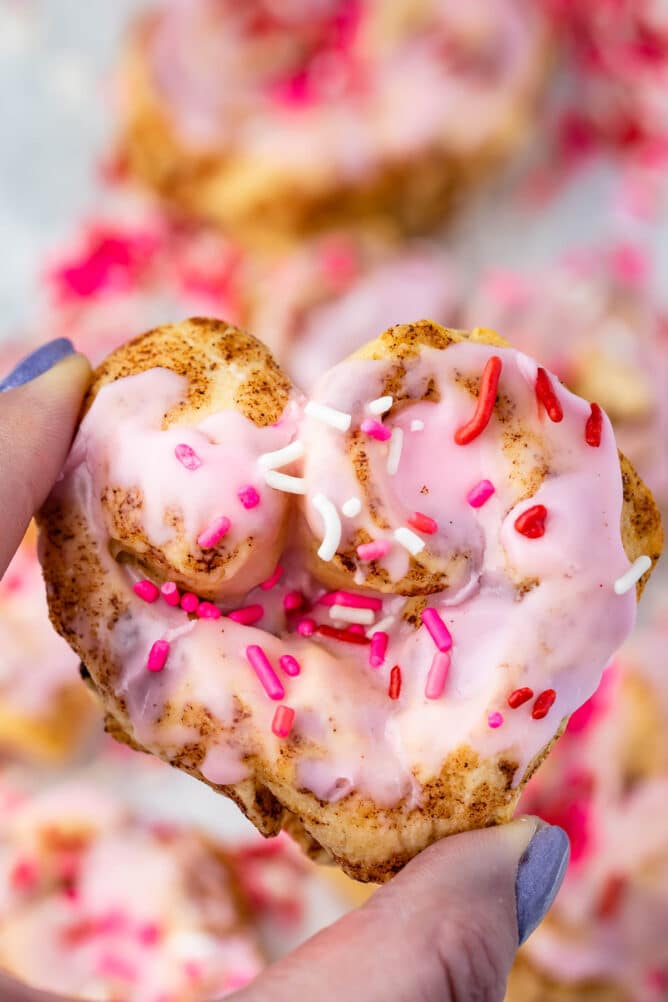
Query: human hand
[[446, 929]]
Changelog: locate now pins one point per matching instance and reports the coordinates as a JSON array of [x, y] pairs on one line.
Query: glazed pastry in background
[[100, 905], [324, 300], [277, 118], [45, 715], [606, 783], [591, 319], [403, 632]]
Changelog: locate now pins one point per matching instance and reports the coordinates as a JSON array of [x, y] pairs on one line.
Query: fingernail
[[37, 363], [541, 870]]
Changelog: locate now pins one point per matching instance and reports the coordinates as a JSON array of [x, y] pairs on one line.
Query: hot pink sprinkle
[[260, 663], [374, 429], [189, 602], [149, 934], [373, 551], [495, 720], [482, 492], [423, 523], [355, 628], [146, 590], [207, 610], [247, 614], [283, 720], [214, 532], [158, 654], [170, 593], [378, 648], [438, 631], [23, 875], [187, 456], [438, 675], [351, 600], [293, 600], [273, 580], [289, 664], [248, 496], [306, 627]]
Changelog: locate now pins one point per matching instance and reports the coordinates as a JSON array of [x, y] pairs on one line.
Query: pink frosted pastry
[[592, 320], [267, 117], [44, 713], [332, 295], [607, 784], [364, 615], [99, 905]]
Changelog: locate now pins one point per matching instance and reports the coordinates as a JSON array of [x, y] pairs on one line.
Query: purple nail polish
[[540, 873], [37, 363]]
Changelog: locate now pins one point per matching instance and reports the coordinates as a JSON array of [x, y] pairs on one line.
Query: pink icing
[[558, 634]]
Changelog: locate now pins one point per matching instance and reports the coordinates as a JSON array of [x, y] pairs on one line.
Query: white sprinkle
[[633, 575], [417, 425], [282, 482], [394, 453], [383, 624], [281, 457], [332, 525], [351, 507], [348, 615], [380, 405], [328, 415], [409, 540]]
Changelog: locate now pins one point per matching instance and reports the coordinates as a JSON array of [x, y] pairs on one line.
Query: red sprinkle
[[146, 590], [395, 683], [531, 523], [207, 610], [187, 456], [293, 600], [547, 397], [611, 896], [519, 697], [189, 602], [273, 580], [544, 701], [489, 383], [347, 635], [157, 657], [423, 523], [594, 427], [283, 720]]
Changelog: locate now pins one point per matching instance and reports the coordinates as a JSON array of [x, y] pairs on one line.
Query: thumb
[[39, 404], [446, 929]]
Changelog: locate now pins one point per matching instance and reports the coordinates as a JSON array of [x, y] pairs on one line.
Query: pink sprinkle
[[24, 875], [170, 593], [289, 664], [293, 600], [189, 602], [260, 663], [158, 654], [423, 523], [350, 600], [355, 628], [248, 496], [187, 456], [112, 966], [149, 934], [146, 590], [374, 429], [214, 532], [273, 580], [247, 614], [283, 720], [378, 648], [207, 610], [373, 551], [306, 627], [438, 631], [482, 492], [495, 720], [438, 674]]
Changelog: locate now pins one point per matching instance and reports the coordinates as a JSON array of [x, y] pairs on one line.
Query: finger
[[446, 929], [39, 405]]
